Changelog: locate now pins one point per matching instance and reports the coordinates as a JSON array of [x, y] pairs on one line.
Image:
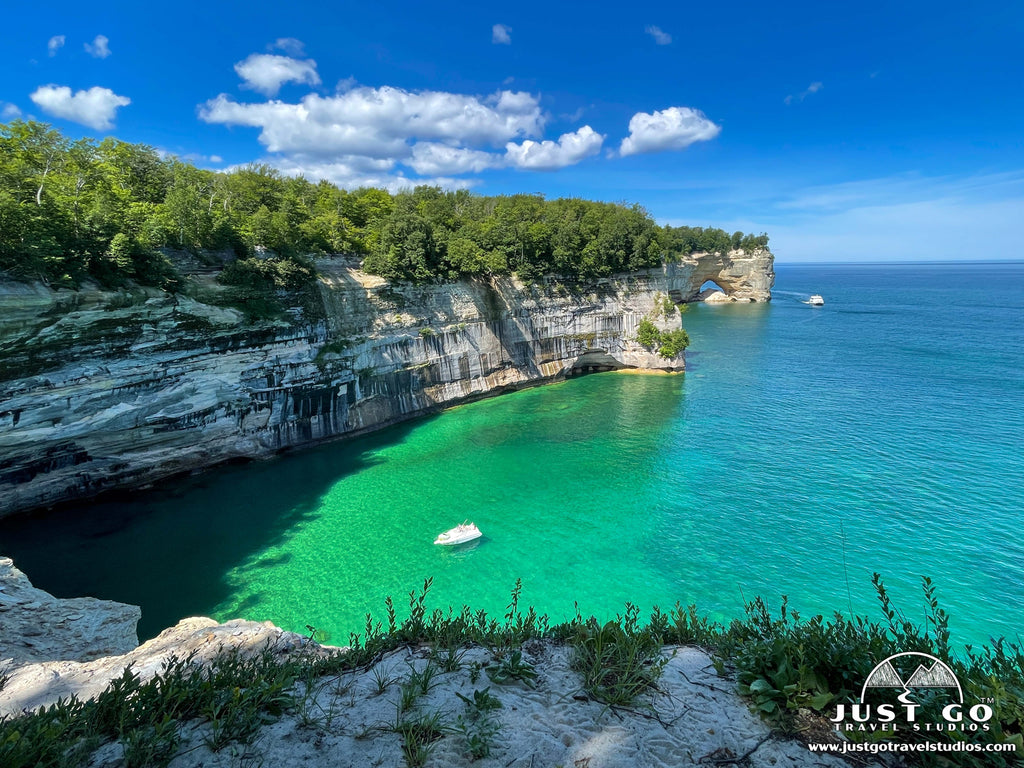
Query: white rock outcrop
[[692, 716], [35, 626]]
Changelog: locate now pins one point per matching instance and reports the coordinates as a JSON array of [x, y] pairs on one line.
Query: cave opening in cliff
[[594, 361]]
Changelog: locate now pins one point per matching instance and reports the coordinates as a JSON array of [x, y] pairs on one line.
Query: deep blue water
[[892, 414]]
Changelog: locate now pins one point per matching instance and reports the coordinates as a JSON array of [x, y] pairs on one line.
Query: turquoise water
[[886, 426]]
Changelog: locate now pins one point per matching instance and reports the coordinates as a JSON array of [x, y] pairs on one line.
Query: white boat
[[460, 534], [816, 301]]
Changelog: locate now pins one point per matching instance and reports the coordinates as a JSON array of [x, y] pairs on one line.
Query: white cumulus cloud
[[267, 72], [379, 122], [94, 107], [660, 37], [549, 155], [98, 48], [55, 44], [9, 111], [666, 129], [797, 97], [501, 34], [395, 138], [351, 172], [430, 158]]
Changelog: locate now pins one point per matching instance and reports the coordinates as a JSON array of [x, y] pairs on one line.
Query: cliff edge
[[408, 706], [102, 390]]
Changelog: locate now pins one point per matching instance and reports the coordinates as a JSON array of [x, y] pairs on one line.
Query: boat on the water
[[460, 534], [816, 301]]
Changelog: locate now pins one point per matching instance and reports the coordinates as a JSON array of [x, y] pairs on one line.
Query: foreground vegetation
[[786, 665], [108, 211]]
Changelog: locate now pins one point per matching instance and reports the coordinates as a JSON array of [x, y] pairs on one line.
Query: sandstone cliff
[[102, 390]]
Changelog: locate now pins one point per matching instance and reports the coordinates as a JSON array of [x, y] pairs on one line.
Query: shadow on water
[[170, 549]]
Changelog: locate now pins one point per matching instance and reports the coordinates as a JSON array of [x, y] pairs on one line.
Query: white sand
[[693, 718]]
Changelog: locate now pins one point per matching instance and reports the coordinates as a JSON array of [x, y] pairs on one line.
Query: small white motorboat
[[460, 534], [816, 301]]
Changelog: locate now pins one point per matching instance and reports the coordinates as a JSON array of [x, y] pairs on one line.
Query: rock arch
[[739, 275], [711, 290]]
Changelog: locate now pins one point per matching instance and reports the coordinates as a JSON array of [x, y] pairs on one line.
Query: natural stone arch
[[741, 276], [714, 287]]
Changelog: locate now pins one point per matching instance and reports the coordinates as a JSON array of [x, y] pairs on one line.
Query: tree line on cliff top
[[110, 210]]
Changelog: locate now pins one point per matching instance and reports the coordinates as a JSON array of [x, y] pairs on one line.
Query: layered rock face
[[103, 390]]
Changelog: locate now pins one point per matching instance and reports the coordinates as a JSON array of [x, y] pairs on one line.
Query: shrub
[[673, 343], [647, 335]]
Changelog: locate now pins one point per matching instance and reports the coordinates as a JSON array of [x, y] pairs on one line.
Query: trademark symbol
[[987, 700]]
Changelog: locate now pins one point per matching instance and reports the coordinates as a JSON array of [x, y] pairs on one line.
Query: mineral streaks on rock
[[115, 390]]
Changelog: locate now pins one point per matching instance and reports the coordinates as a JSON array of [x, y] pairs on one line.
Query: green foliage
[[619, 660], [664, 307], [256, 285], [783, 663], [685, 626], [76, 210], [647, 335], [512, 668], [673, 343], [419, 736], [151, 745], [669, 344], [481, 703], [686, 240], [477, 726], [235, 695]]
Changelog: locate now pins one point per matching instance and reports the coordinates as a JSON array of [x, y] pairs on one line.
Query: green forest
[[111, 211]]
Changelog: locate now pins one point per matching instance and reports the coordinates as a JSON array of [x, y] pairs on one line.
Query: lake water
[[885, 428]]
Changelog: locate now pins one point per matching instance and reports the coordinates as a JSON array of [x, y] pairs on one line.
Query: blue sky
[[847, 131]]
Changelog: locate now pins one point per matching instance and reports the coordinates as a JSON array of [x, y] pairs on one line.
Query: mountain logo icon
[[912, 670]]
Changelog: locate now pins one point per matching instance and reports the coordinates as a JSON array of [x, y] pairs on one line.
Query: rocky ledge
[[692, 716], [103, 390]]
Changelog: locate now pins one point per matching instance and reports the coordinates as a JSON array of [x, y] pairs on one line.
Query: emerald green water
[[892, 414]]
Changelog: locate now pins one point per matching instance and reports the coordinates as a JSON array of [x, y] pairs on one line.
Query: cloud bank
[[366, 131], [570, 149], [289, 45], [362, 135]]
